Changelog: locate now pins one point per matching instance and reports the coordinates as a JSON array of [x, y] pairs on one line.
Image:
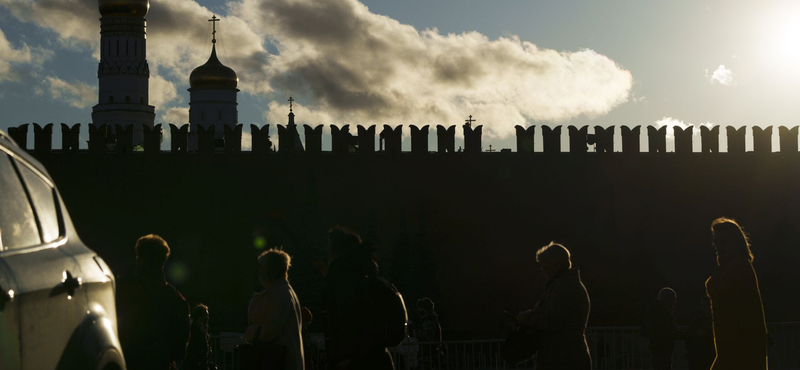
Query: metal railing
[[611, 348]]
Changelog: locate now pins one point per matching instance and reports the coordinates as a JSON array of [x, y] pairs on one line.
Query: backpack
[[390, 312]]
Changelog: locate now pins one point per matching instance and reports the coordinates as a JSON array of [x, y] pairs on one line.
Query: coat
[[277, 310], [660, 328], [740, 331], [351, 341], [153, 321], [560, 319]]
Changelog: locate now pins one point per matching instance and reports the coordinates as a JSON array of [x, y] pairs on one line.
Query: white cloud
[[175, 115], [673, 122], [247, 141], [356, 67], [75, 93], [360, 67], [722, 76], [162, 91], [17, 62], [71, 19]]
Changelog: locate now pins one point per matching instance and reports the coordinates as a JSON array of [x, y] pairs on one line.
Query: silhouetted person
[[199, 341], [660, 329], [700, 339], [428, 329], [561, 314], [740, 332], [274, 314], [351, 340], [153, 317]]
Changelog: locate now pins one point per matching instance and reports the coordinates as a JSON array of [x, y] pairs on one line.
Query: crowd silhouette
[[364, 315]]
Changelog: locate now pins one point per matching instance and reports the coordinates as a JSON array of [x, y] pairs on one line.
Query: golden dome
[[129, 8], [213, 75]]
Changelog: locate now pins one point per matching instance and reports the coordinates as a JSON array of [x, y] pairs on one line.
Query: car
[[57, 308]]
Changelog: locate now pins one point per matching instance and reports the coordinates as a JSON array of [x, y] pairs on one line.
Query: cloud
[[75, 93], [673, 122], [352, 66], [17, 63], [180, 44], [360, 67], [247, 141], [175, 115], [722, 76], [162, 92], [72, 20]]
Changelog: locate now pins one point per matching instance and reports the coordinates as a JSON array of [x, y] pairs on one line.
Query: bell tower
[[123, 72]]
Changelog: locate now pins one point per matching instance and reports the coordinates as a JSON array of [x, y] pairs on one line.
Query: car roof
[[8, 144]]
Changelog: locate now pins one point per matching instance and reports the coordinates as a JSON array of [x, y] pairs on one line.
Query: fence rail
[[610, 347]]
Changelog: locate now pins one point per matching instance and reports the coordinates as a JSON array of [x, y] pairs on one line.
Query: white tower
[[212, 95], [123, 72]]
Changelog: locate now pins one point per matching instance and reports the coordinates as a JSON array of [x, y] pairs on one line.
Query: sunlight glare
[[780, 40]]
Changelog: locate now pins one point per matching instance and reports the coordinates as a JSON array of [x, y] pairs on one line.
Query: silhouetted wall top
[[101, 140]]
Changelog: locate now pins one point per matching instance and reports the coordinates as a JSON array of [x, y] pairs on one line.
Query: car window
[[17, 224], [44, 202]]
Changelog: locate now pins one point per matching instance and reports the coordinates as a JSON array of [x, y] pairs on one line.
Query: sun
[[779, 40]]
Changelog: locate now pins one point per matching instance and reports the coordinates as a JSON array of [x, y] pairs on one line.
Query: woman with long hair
[[740, 332]]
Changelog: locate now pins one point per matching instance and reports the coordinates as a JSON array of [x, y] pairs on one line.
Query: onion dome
[[213, 75], [125, 8]]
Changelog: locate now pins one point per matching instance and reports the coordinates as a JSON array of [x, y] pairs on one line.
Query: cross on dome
[[214, 21]]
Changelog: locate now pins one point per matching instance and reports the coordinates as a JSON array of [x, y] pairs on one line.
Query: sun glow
[[779, 40]]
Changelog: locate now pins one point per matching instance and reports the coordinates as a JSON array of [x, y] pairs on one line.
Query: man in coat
[[351, 339], [153, 316], [561, 314]]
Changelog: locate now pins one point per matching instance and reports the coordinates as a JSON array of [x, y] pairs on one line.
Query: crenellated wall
[[229, 139]]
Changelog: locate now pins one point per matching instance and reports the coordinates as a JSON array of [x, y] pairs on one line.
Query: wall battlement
[[101, 140]]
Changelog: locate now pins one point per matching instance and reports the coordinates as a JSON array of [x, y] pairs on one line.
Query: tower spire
[[214, 21], [291, 114], [469, 121]]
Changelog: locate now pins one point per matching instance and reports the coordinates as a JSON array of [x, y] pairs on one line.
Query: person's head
[[424, 306], [730, 240], [341, 240], [152, 252], [273, 265], [200, 314], [553, 258], [668, 296]]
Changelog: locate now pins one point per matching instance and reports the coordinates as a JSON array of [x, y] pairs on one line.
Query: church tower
[[212, 95], [123, 72]]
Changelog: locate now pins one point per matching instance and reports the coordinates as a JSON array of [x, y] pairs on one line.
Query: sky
[[429, 62]]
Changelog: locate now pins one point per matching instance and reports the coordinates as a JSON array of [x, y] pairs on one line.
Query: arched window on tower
[[126, 47], [111, 99], [141, 100], [220, 116], [202, 114], [117, 47], [127, 99]]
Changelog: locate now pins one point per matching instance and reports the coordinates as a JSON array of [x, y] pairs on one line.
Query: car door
[[48, 297]]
